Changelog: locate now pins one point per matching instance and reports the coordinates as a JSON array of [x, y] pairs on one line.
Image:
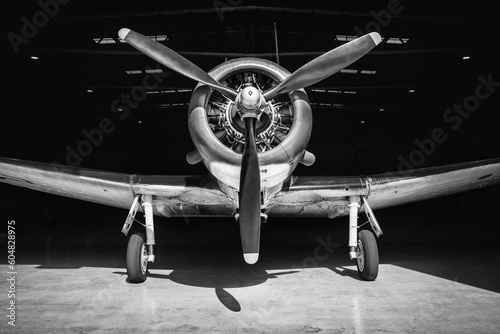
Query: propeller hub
[[250, 102], [250, 98]]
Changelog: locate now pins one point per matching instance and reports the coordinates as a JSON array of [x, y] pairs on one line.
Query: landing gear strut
[[363, 245], [140, 248]]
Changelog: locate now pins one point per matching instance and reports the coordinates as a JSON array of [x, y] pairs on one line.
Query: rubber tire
[[134, 249], [370, 254]]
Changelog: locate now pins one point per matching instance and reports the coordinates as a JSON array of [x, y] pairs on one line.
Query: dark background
[[46, 106]]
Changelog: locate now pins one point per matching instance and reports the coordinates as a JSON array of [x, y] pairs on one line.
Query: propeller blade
[[325, 65], [172, 60], [250, 195]]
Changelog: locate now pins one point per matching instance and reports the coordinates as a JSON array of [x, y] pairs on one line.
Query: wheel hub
[[144, 259], [361, 256]]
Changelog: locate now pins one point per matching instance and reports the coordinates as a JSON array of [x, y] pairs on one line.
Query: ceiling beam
[[215, 9], [240, 54]]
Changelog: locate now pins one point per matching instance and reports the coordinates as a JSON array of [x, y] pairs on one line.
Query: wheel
[[368, 256], [137, 263]]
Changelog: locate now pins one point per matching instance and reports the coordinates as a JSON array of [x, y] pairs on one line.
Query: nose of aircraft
[[250, 98]]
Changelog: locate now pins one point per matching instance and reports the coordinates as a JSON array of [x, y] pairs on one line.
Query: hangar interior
[[436, 69]]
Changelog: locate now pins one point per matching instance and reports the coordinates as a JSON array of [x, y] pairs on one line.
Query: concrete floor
[[432, 279], [216, 293]]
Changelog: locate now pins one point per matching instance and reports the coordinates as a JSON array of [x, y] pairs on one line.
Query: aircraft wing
[[329, 196], [311, 196], [173, 195]]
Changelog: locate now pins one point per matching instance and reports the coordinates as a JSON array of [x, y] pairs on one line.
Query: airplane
[[250, 121]]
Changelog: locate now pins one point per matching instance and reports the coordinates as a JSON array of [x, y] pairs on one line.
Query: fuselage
[[283, 130]]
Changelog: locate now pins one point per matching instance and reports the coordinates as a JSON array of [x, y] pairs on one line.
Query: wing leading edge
[[173, 195], [329, 196]]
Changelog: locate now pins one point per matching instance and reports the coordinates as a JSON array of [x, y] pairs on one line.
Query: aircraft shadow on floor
[[287, 247]]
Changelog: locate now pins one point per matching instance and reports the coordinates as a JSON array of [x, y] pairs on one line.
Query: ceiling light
[[465, 57], [104, 40], [89, 90], [388, 40], [158, 38], [392, 40], [412, 90], [348, 70], [345, 38], [34, 57], [154, 70]]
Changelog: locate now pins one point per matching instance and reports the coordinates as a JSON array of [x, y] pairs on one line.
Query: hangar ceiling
[[69, 70]]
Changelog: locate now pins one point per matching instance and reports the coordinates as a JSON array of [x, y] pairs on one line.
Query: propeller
[[173, 60], [325, 65], [250, 103], [250, 195]]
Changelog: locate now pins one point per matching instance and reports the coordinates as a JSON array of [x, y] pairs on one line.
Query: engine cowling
[[217, 131]]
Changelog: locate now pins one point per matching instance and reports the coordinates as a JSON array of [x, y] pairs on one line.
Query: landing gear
[[137, 258], [367, 260], [363, 245], [140, 248]]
